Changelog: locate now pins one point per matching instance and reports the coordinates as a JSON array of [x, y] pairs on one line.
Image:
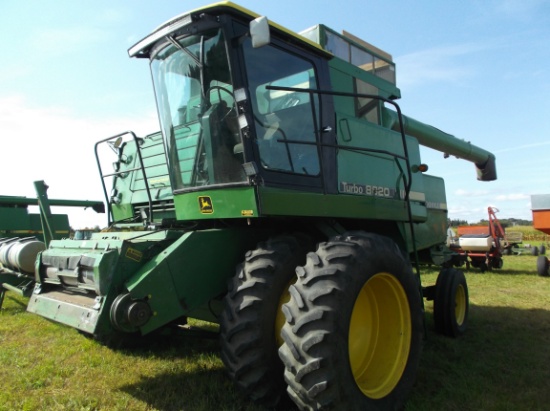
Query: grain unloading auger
[[279, 201]]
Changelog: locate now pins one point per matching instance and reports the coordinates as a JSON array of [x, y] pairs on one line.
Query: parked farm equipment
[[540, 205], [24, 235], [482, 246], [283, 200]]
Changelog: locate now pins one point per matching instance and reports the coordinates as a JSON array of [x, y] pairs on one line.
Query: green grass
[[501, 363]]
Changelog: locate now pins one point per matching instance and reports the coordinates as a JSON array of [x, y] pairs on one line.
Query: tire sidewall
[[542, 266], [367, 266], [445, 320]]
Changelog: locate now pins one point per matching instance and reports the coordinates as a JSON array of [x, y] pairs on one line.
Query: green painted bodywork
[[18, 222], [96, 271], [161, 268], [176, 282], [280, 202], [129, 187], [229, 202]]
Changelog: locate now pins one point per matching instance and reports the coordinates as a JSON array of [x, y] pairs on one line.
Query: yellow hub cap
[[379, 335], [460, 305], [280, 317]]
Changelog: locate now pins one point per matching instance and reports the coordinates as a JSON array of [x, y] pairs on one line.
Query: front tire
[[251, 321], [354, 326], [451, 303]]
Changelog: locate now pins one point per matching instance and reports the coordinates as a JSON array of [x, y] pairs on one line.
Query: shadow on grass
[[165, 346], [503, 271], [202, 386], [201, 390], [21, 305], [501, 363]]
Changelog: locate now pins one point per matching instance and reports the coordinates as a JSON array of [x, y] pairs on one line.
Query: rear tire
[[251, 321], [354, 326], [451, 303], [542, 266]]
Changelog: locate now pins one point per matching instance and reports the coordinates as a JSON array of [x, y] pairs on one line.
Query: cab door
[[292, 123]]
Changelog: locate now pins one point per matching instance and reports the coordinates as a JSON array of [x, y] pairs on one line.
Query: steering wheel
[[233, 108]]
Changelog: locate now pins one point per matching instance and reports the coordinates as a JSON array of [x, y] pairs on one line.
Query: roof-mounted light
[[140, 49]]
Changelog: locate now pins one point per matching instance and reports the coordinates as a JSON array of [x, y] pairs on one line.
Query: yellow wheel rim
[[460, 304], [280, 317], [379, 335]]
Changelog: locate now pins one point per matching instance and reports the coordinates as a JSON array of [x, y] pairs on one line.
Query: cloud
[[11, 71], [519, 9], [436, 64], [113, 15], [523, 146], [470, 213], [512, 197], [54, 145], [471, 193]]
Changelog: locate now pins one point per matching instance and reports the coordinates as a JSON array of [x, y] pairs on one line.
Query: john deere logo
[[205, 205]]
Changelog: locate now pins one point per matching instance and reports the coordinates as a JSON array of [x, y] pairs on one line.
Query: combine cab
[[284, 199]]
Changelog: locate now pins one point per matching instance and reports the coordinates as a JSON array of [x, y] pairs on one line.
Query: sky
[[477, 69]]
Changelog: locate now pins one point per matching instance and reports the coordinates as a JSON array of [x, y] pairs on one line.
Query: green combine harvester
[[285, 199]]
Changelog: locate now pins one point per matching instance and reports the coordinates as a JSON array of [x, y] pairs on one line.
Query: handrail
[[406, 180], [141, 167]]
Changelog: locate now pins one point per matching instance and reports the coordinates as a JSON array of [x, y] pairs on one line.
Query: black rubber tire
[[252, 307], [319, 329], [451, 303], [542, 249], [497, 263], [534, 250], [486, 266], [542, 266]]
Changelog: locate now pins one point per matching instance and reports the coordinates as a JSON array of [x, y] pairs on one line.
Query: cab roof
[[143, 47]]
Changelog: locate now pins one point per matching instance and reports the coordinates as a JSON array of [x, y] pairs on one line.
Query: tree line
[[505, 222]]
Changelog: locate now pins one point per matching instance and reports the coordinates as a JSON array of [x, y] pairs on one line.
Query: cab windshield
[[197, 111]]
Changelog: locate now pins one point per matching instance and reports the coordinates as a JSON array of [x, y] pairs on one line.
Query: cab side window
[[284, 120], [367, 108]]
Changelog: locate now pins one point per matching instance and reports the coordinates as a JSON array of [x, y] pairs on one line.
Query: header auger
[[282, 199]]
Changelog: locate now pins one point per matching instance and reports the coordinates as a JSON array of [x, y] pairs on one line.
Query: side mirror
[[259, 32]]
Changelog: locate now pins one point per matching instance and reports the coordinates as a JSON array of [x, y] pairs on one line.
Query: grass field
[[501, 363]]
